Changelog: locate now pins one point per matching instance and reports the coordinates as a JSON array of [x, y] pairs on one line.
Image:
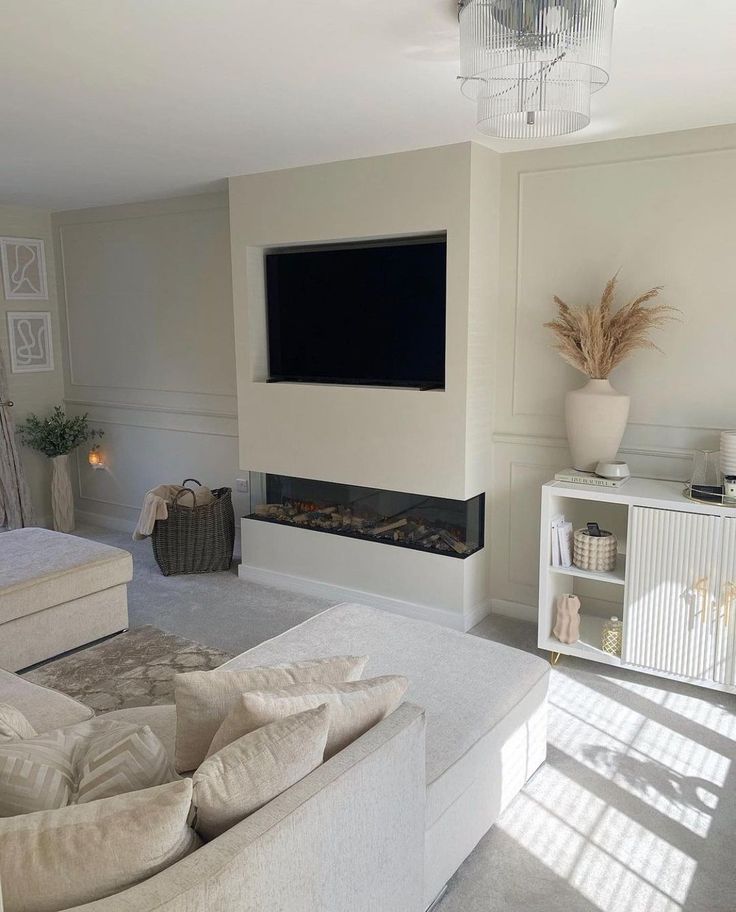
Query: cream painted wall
[[663, 210], [390, 438], [33, 392], [435, 443], [147, 312]]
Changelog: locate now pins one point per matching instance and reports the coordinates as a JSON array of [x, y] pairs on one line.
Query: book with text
[[573, 476]]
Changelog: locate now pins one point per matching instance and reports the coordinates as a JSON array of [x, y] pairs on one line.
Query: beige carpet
[[135, 668]]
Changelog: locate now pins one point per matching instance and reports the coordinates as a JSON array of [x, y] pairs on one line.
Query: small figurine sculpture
[[567, 623]]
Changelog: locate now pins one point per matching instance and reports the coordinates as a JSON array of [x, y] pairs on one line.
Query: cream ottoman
[[58, 592]]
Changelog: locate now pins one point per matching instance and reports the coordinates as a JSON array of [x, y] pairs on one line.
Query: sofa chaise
[[383, 825]]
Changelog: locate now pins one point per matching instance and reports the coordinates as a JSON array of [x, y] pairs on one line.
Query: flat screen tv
[[371, 313]]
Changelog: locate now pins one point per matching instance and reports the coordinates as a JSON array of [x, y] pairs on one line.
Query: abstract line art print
[[24, 269], [29, 335]]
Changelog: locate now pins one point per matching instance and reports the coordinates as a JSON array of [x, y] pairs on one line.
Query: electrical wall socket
[[242, 485]]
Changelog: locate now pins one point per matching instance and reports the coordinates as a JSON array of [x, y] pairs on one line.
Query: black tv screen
[[358, 314]]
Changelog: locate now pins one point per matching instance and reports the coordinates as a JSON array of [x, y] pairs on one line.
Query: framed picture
[[29, 338], [24, 269]]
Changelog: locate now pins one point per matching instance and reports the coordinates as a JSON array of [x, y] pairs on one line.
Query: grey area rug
[[135, 668]]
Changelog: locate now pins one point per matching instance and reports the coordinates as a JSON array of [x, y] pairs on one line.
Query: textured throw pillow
[[13, 724], [253, 770], [82, 762], [59, 859], [204, 698], [354, 708]]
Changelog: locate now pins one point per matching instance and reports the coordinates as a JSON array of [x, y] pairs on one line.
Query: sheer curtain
[[16, 510]]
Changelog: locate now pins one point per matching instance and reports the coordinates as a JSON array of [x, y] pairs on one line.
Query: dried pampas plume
[[595, 339]]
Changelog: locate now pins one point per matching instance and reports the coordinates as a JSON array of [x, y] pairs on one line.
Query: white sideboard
[[674, 585]]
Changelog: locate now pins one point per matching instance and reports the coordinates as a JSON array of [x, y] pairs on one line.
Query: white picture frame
[[24, 269], [30, 341]]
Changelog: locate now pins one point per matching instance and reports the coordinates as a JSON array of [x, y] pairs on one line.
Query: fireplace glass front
[[441, 526]]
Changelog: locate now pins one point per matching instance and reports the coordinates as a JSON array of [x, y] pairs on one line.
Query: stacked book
[[562, 542], [574, 476]]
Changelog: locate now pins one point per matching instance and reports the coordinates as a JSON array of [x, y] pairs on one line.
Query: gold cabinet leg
[[554, 657]]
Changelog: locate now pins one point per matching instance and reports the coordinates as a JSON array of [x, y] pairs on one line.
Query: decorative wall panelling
[[663, 210]]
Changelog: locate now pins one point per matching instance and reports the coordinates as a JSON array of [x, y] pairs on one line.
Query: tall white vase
[[62, 499], [596, 417]]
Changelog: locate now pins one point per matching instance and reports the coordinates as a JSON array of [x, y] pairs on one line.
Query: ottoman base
[[36, 637]]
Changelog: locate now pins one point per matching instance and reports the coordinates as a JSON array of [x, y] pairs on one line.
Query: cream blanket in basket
[[156, 505]]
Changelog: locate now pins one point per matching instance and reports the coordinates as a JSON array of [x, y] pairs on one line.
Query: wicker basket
[[196, 539], [595, 552]]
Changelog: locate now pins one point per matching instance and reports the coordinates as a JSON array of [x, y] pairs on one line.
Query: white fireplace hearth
[[418, 584], [418, 555]]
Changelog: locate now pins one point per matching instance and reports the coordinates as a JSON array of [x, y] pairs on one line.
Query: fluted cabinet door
[[726, 609], [671, 578]]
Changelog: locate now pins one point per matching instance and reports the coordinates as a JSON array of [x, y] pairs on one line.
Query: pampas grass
[[595, 339]]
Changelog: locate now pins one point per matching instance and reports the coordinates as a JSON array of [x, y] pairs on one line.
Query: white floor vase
[[62, 499], [596, 417]]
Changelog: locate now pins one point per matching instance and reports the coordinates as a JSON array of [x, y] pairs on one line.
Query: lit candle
[[94, 458]]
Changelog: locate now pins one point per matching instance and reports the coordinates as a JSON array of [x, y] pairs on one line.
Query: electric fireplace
[[453, 528]]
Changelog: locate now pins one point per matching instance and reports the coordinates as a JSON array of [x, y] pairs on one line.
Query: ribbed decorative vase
[[596, 417], [62, 499]]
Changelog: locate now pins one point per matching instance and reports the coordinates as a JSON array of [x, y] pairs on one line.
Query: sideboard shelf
[[588, 646], [674, 585], [616, 576]]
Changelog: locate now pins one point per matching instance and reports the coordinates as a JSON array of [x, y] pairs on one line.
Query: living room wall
[[147, 310], [37, 391], [662, 209], [434, 442]]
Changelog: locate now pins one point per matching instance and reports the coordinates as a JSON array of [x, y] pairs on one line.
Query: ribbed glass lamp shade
[[532, 65]]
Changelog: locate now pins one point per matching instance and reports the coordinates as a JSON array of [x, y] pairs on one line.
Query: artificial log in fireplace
[[434, 524]]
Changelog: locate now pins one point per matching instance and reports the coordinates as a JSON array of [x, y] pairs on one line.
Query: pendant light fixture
[[532, 65]]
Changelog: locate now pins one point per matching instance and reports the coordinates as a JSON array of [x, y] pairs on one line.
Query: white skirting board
[[515, 610], [418, 584], [115, 523], [342, 594]]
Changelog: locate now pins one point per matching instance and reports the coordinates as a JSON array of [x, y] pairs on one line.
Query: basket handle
[[186, 490]]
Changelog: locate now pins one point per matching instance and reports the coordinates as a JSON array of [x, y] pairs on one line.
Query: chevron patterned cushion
[[80, 763], [13, 724], [120, 761]]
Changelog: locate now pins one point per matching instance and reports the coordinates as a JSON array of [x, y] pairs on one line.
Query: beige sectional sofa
[[386, 822]]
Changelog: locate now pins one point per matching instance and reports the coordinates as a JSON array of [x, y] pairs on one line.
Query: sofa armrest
[[44, 708], [347, 838]]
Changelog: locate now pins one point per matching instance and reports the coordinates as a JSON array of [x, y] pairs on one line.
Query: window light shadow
[[636, 784]]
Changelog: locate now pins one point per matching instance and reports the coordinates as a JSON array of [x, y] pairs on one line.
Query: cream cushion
[[71, 568], [13, 724], [79, 763], [354, 708], [248, 773], [58, 859], [204, 698]]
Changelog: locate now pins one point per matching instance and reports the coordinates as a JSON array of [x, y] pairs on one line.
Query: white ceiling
[[106, 101]]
